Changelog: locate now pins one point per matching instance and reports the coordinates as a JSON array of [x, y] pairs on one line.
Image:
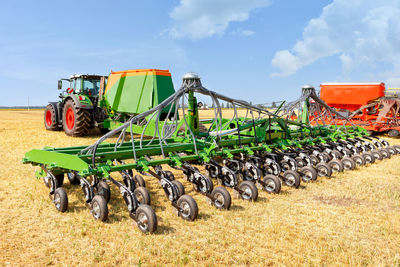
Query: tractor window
[[77, 86], [91, 86]]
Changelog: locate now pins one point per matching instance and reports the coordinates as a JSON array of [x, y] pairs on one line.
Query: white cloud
[[197, 19], [357, 31]]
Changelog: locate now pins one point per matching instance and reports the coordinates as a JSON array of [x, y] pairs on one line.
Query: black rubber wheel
[[300, 162], [179, 186], [139, 180], [308, 174], [391, 150], [291, 178], [146, 219], [359, 160], [272, 183], [60, 199], [221, 198], [99, 208], [314, 159], [368, 157], [337, 154], [76, 122], [189, 208], [377, 154], [385, 153], [326, 156], [348, 163], [50, 119], [73, 179], [397, 148], [103, 189], [323, 169], [250, 191], [336, 165], [142, 195], [205, 183], [170, 175]]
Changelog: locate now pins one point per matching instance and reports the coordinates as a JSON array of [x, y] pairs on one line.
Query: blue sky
[[256, 50]]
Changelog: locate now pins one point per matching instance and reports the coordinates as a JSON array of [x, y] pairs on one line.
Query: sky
[[256, 50]]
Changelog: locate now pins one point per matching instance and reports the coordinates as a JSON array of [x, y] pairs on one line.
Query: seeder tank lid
[[143, 71]]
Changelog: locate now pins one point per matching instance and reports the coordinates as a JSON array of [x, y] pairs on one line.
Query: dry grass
[[350, 219]]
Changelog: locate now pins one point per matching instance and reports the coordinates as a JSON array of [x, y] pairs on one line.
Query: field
[[349, 219]]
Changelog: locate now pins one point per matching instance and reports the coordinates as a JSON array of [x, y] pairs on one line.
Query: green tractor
[[94, 101]]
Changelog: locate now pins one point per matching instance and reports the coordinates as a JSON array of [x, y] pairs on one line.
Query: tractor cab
[[82, 84]]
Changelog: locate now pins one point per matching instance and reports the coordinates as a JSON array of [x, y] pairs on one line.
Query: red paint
[[49, 120], [70, 118]]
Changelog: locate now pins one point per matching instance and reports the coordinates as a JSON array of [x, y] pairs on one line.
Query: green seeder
[[258, 148]]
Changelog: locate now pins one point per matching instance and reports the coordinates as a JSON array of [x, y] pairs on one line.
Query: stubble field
[[349, 219]]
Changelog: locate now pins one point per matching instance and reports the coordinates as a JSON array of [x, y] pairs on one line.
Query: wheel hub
[[49, 120], [185, 210], [143, 222], [219, 200], [70, 118]]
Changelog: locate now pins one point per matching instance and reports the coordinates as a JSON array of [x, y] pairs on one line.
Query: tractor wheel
[[272, 183], [50, 119], [60, 199], [98, 208], [142, 195], [179, 186], [291, 178], [336, 165], [76, 122], [393, 133], [146, 219], [308, 174], [359, 160], [189, 208], [348, 163], [221, 198], [323, 169], [368, 157], [139, 180]]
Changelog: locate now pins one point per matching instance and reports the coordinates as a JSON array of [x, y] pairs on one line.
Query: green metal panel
[[138, 93], [55, 160]]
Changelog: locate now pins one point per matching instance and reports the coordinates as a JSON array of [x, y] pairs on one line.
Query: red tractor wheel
[[50, 118], [76, 122]]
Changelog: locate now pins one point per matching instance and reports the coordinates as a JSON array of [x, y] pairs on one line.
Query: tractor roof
[[87, 76]]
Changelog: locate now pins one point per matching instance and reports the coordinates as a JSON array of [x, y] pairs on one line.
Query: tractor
[[77, 110], [105, 103]]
